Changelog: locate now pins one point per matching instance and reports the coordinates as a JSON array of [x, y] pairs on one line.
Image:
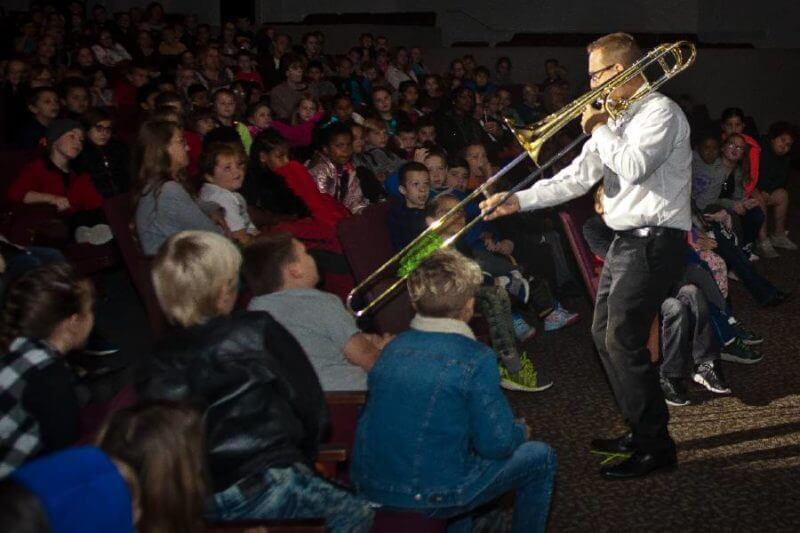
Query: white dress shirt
[[645, 160]]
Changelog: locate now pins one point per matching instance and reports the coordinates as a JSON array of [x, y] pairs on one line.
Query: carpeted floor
[[739, 455]]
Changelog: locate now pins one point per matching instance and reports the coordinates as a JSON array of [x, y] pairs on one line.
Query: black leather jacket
[[261, 399]]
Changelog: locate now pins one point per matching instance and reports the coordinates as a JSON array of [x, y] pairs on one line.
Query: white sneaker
[[96, 235], [782, 241], [82, 234], [766, 250]]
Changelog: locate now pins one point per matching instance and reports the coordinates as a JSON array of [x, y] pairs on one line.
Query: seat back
[[573, 215], [120, 213], [310, 525], [396, 521], [367, 245], [13, 159]]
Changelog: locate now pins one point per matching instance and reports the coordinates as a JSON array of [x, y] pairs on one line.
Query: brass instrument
[[683, 53], [532, 138]]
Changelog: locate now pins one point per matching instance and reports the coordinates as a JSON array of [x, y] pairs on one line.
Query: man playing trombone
[[644, 159]]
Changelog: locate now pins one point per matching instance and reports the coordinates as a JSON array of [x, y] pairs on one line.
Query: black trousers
[[637, 277]]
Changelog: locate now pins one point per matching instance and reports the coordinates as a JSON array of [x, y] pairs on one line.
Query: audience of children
[[314, 160]]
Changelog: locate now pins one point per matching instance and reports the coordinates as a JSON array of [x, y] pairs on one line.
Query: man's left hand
[[592, 119]]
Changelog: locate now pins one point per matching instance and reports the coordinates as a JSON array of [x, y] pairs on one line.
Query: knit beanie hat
[[59, 127]]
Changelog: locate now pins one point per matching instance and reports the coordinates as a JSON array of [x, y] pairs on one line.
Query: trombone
[[672, 58]]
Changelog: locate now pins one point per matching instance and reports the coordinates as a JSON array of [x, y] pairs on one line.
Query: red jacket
[[298, 135], [125, 94], [43, 176], [323, 207], [253, 77]]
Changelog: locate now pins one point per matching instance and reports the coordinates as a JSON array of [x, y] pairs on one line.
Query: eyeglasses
[[594, 76], [102, 129], [736, 147]]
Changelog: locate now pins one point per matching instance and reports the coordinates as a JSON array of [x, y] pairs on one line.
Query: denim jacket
[[436, 426]]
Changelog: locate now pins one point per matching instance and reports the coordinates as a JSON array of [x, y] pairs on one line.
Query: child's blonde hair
[[189, 272], [443, 284]]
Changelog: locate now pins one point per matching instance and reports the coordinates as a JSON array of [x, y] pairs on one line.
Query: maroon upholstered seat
[[367, 245], [119, 213], [395, 521], [573, 215]]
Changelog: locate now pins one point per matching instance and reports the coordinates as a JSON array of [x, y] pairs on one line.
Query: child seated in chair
[[530, 296], [283, 277], [452, 445], [223, 167], [407, 216], [333, 169], [48, 313], [377, 157], [507, 327], [688, 346], [264, 410], [51, 180]]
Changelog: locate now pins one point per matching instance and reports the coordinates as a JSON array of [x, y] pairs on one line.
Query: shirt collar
[[628, 113], [441, 325]]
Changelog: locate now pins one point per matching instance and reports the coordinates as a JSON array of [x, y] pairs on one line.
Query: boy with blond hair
[[264, 410], [452, 445]]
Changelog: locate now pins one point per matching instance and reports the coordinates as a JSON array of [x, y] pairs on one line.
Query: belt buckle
[[642, 232]]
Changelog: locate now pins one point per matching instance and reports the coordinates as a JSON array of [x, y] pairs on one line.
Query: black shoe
[[98, 346], [779, 298], [623, 444], [674, 391], [738, 352], [640, 464], [709, 376], [748, 337]]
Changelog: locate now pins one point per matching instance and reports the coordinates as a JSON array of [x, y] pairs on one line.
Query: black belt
[[651, 231]]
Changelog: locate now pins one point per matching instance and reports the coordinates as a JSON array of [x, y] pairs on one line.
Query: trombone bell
[[527, 138]]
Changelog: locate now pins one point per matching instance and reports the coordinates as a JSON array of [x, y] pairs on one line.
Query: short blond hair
[[189, 271], [443, 284], [617, 47]]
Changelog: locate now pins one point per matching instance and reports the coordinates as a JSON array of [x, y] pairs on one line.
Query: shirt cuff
[[603, 134], [526, 199]]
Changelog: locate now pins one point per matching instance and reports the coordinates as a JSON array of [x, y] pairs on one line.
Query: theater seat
[[268, 526], [119, 213], [367, 245], [343, 409], [396, 521], [573, 215]]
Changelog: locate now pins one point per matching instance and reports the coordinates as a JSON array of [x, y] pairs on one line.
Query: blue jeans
[[293, 492], [761, 289], [19, 264], [722, 326], [529, 471]]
